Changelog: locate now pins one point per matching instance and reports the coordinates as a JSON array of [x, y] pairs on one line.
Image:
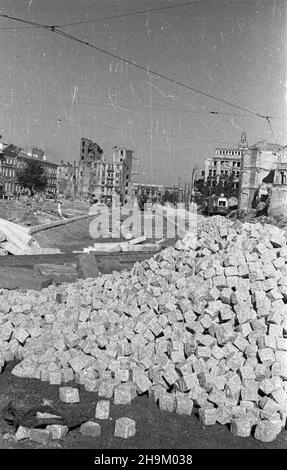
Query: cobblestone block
[[102, 409], [184, 406], [90, 429], [241, 427], [207, 416], [106, 388], [125, 428], [22, 433], [69, 395], [41, 436], [167, 402], [266, 431], [57, 431]]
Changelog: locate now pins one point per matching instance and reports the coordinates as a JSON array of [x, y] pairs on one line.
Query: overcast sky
[[53, 90]]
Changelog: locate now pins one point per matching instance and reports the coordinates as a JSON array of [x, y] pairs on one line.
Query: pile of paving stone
[[200, 326]]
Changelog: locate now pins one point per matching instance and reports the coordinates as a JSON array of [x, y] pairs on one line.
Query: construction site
[[157, 340]]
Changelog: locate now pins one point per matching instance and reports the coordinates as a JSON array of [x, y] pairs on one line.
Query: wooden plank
[[39, 228], [11, 248], [17, 239], [62, 258]]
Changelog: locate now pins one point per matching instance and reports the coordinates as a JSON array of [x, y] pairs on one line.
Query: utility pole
[[193, 176], [242, 146]]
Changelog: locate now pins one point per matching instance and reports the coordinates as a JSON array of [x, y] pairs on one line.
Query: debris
[[125, 428], [91, 429], [201, 325], [57, 431], [69, 394], [266, 431], [22, 433], [137, 240], [41, 436], [102, 409], [40, 415]]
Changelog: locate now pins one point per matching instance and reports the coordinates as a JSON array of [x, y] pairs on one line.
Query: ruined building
[[225, 161], [67, 178], [90, 154], [93, 176], [123, 158], [259, 163]]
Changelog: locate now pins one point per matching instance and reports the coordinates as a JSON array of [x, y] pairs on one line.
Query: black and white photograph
[[143, 231]]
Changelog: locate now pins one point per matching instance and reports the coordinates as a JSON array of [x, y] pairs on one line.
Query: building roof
[[12, 150]]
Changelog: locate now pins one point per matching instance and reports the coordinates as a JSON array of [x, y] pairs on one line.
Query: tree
[[170, 196], [32, 176], [206, 190]]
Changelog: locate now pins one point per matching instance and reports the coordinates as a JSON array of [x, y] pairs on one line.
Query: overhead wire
[[147, 69], [140, 12], [112, 17]]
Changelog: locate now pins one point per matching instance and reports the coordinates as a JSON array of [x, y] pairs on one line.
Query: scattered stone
[[41, 436], [207, 416], [69, 394], [125, 428], [57, 431], [200, 323], [241, 427], [91, 429], [102, 409], [22, 433], [266, 431]]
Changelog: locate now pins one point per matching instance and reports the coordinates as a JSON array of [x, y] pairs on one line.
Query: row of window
[[7, 172], [226, 162], [228, 152], [21, 163], [235, 185], [10, 173], [11, 186], [8, 161], [223, 172]]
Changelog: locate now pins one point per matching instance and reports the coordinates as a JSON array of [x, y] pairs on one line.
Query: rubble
[[41, 436], [102, 409], [16, 240], [201, 327], [91, 429], [69, 394], [22, 433], [125, 428], [57, 431]]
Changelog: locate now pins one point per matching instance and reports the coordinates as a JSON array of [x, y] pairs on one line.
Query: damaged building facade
[[225, 162], [94, 176], [264, 177], [67, 177]]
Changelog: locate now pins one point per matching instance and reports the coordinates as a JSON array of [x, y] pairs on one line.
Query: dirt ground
[[155, 429]]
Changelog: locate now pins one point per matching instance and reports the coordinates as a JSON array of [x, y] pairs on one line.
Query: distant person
[[60, 209]]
